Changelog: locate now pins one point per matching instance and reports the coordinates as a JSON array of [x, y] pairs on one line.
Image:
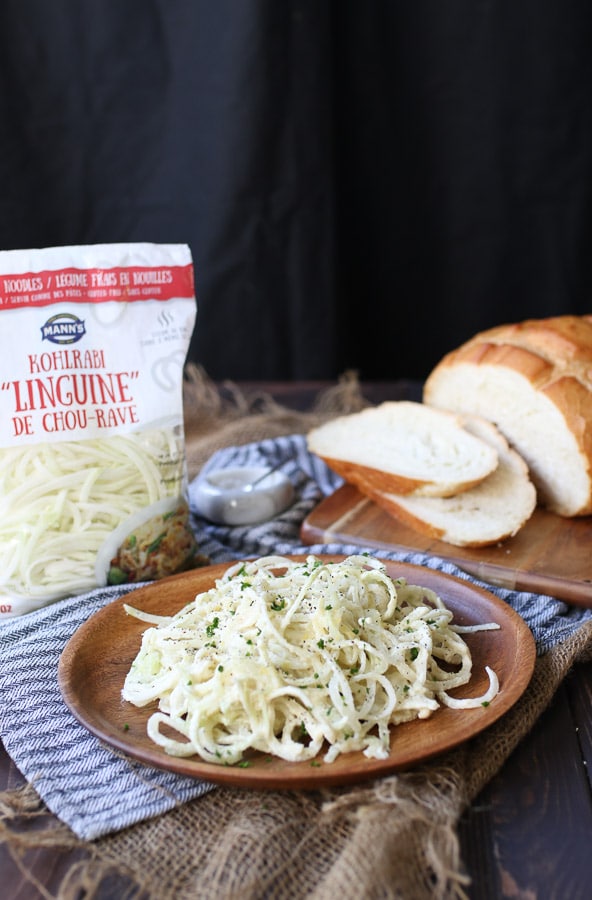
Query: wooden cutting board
[[549, 555]]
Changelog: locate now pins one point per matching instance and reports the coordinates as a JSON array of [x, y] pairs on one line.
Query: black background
[[363, 185]]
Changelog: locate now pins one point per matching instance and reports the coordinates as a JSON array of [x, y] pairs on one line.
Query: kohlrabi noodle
[[59, 502], [93, 345], [285, 657]]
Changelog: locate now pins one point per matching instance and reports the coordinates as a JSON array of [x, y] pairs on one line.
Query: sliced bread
[[488, 513], [534, 381], [404, 448]]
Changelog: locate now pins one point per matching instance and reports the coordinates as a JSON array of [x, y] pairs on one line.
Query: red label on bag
[[124, 284]]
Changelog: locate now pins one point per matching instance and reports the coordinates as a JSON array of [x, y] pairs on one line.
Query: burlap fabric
[[396, 837]]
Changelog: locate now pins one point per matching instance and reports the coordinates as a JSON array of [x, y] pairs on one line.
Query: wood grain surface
[[549, 555], [97, 658], [527, 834]]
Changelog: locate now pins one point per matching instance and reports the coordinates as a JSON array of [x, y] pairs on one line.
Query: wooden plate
[[98, 656]]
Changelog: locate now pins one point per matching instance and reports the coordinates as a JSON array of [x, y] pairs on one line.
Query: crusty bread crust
[[553, 358], [424, 526], [386, 502], [492, 511], [379, 480], [534, 367], [404, 447], [562, 340]]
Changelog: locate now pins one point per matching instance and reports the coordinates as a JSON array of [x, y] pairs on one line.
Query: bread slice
[[405, 448], [488, 513], [534, 381]]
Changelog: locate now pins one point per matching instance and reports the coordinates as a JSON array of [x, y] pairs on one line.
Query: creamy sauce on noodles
[[291, 657]]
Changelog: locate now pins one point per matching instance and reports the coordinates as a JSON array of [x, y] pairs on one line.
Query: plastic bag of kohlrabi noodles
[[93, 341]]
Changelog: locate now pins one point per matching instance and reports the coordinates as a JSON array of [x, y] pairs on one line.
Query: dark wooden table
[[528, 836]]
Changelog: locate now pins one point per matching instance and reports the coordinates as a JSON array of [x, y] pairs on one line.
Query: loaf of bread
[[405, 448], [493, 510], [534, 381]]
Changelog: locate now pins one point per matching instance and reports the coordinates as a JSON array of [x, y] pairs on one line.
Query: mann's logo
[[63, 328]]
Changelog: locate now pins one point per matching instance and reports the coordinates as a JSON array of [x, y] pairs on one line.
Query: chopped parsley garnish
[[210, 629]]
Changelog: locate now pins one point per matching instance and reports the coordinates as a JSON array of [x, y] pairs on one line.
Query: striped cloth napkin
[[96, 790]]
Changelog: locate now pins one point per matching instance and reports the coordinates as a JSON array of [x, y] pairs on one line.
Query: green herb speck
[[210, 629]]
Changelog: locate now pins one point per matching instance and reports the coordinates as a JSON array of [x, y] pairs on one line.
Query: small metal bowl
[[242, 496]]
